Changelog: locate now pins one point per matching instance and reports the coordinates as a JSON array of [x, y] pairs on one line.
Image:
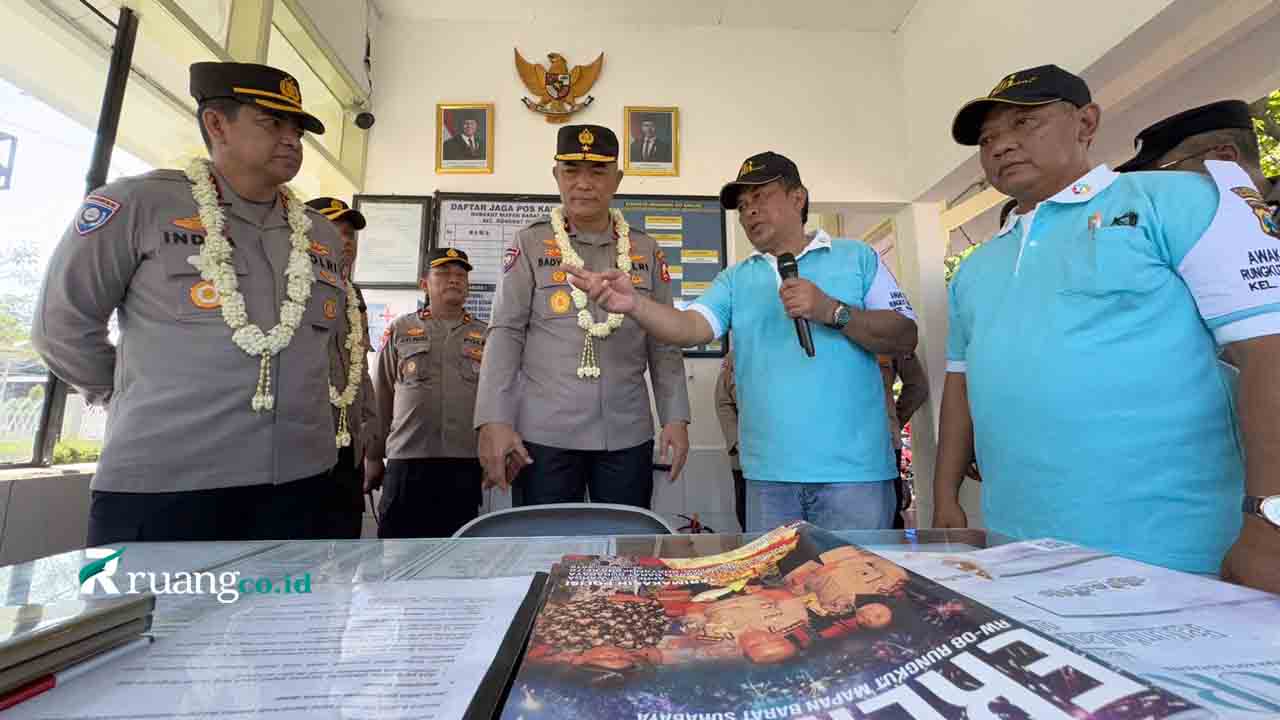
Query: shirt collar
[[590, 238], [819, 239], [1087, 187], [1084, 189], [250, 212]]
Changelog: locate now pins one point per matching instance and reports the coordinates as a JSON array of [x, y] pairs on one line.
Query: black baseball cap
[[1035, 86], [262, 85], [1153, 142], [441, 256], [595, 143], [758, 169], [335, 210]]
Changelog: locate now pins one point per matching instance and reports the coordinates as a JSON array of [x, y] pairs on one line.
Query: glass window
[[51, 160], [317, 98]]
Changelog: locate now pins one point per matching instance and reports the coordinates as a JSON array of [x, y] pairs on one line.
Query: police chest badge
[[330, 309], [190, 223], [560, 302], [205, 296], [1263, 211], [96, 212]]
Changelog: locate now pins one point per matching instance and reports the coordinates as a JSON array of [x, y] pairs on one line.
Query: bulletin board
[[690, 230]]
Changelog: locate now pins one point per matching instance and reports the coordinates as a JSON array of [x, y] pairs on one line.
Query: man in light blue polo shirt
[[814, 442], [1082, 350]]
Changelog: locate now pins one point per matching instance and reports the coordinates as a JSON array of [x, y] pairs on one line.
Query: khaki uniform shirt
[[727, 411], [362, 416], [177, 388], [426, 387], [529, 378]]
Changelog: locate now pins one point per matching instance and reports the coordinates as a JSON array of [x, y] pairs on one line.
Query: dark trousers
[[740, 498], [341, 510], [429, 497], [255, 512], [900, 494], [624, 477]]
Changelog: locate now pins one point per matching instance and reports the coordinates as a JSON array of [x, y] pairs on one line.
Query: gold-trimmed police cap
[[595, 143], [442, 256], [335, 210], [262, 85]]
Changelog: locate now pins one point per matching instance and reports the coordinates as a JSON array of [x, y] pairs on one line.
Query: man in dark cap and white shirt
[[228, 295], [1221, 130], [562, 391]]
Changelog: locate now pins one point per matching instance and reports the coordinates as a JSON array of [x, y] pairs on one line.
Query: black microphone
[[788, 269]]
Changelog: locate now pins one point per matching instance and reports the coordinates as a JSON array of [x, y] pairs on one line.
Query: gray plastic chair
[[562, 519]]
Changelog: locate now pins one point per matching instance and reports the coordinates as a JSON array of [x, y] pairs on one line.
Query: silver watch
[[1267, 508], [840, 317]]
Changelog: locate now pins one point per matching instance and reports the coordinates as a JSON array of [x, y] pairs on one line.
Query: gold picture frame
[[664, 149], [455, 154]]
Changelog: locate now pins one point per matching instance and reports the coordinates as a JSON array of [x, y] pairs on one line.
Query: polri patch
[[509, 258], [96, 212]]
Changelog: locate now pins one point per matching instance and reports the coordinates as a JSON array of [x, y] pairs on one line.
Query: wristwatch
[[1267, 508], [840, 317]]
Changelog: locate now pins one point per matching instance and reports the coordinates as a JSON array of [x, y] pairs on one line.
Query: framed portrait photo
[[651, 140], [464, 138]]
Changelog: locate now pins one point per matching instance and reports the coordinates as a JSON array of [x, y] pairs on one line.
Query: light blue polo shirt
[[806, 419], [1088, 332]]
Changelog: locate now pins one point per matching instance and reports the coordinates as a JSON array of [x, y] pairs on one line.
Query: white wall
[[952, 52], [830, 101]]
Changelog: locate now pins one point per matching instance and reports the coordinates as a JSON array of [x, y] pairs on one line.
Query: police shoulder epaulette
[[544, 220]]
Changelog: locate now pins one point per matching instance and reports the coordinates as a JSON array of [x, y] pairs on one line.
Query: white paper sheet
[[376, 651], [507, 557], [390, 243], [1213, 643]]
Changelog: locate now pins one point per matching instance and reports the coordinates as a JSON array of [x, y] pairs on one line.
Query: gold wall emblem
[[558, 91]]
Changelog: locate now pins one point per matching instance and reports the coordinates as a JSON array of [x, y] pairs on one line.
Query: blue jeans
[[831, 506]]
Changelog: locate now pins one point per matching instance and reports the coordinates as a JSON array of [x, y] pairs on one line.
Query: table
[[1213, 643]]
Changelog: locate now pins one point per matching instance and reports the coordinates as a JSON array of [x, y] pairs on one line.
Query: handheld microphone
[[788, 269]]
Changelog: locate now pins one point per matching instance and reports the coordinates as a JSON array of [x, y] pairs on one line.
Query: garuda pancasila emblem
[[558, 91]]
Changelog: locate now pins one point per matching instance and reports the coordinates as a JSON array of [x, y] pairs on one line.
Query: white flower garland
[[355, 367], [215, 266], [587, 366]]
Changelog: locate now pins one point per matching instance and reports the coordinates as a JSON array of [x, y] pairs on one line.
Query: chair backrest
[[562, 519]]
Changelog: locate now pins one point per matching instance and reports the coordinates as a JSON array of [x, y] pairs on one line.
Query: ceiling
[[831, 15]]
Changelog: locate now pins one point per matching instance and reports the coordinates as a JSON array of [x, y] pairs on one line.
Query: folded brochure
[[799, 624]]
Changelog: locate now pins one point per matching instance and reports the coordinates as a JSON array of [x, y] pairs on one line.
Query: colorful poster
[[799, 624]]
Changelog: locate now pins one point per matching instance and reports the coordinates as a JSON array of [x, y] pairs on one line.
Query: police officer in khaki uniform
[[342, 515], [194, 450], [426, 396], [542, 411]]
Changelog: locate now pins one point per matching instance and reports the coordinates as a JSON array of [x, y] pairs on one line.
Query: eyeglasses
[[1179, 161]]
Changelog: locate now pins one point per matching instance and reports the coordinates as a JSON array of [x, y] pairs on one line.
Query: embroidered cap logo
[[289, 88]]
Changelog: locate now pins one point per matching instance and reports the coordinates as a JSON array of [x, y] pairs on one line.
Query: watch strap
[[1252, 505]]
